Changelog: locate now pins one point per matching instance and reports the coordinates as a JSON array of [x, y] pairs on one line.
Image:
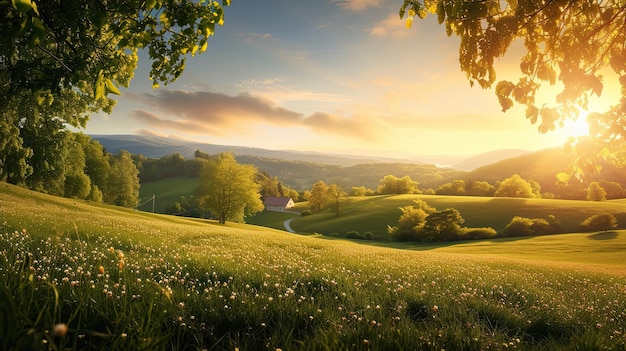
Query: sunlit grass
[[374, 213], [121, 279], [167, 191]]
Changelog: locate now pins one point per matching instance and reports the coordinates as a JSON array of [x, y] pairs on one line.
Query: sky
[[342, 76]]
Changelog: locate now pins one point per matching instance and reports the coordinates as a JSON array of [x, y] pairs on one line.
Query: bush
[[599, 222], [477, 233], [368, 235], [540, 227], [353, 234], [521, 226], [305, 213]]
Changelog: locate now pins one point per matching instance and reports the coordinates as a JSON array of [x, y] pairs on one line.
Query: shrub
[[305, 213], [599, 222], [519, 226], [477, 233], [410, 224], [368, 235], [540, 227], [353, 234]]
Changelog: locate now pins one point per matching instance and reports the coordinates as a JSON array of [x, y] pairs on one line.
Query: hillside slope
[[375, 213], [81, 276]]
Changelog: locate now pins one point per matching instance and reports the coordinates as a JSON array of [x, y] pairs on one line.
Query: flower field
[[78, 276]]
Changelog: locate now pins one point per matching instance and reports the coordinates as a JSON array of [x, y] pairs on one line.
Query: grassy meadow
[[74, 275], [166, 192], [374, 213]]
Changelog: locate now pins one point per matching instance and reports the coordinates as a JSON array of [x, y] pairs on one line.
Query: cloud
[[148, 132], [362, 127], [219, 110], [356, 5], [391, 26], [248, 84], [210, 113], [251, 37], [185, 126]]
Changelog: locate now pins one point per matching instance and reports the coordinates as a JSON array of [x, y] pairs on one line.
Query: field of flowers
[[78, 276]]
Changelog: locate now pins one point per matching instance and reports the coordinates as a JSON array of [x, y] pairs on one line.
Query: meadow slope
[[121, 279], [375, 213]]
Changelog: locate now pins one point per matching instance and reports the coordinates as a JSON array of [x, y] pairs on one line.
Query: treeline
[[176, 165], [540, 169], [300, 175], [71, 165], [543, 168]]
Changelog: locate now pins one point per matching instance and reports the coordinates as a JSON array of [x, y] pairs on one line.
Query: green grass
[[374, 213], [271, 219], [167, 191], [193, 284]]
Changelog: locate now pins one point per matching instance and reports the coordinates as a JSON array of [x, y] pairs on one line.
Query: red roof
[[276, 201]]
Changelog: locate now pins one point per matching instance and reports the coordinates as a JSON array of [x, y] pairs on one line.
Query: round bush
[[353, 234]]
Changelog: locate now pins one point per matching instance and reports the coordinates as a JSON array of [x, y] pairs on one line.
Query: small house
[[278, 204]]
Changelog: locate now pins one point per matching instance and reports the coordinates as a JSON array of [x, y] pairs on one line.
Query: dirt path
[[287, 223], [287, 226]]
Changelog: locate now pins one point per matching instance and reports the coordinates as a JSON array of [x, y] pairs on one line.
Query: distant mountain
[[157, 147], [488, 158]]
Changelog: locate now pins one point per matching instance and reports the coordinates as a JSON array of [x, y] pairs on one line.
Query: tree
[[97, 165], [514, 186], [123, 181], [600, 222], [319, 197], [337, 195], [411, 222], [228, 189], [292, 194], [409, 225], [268, 185], [394, 185], [554, 34], [442, 225], [596, 192], [77, 183], [60, 60], [456, 187], [478, 188], [358, 191], [613, 190]]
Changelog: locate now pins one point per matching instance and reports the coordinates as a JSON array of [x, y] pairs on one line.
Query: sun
[[576, 128]]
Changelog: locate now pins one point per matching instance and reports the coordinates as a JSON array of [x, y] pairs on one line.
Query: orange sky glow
[[333, 76]]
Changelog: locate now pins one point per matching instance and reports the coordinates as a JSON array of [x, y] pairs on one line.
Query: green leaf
[[111, 88], [226, 2], [563, 177], [99, 86], [532, 113], [23, 5]]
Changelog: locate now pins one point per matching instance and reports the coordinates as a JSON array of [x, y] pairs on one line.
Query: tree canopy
[[228, 189], [60, 60], [571, 44], [516, 186]]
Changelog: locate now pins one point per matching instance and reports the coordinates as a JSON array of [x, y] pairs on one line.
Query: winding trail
[[287, 226], [287, 223]]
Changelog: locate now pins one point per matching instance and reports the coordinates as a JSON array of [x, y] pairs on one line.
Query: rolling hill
[[156, 147], [78, 275]]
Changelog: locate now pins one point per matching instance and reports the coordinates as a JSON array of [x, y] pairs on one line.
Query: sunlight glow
[[578, 127]]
